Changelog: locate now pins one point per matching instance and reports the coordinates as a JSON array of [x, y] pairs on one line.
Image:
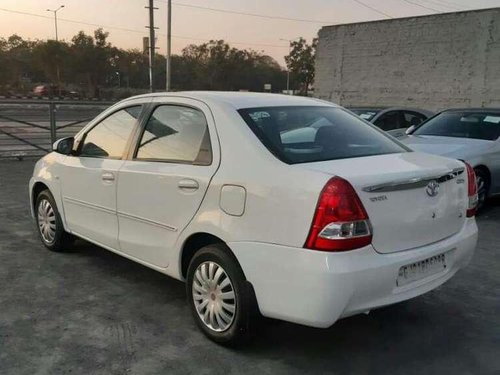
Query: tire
[[49, 224], [483, 187], [213, 277]]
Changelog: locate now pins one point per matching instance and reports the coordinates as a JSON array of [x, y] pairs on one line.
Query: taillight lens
[[472, 191], [340, 222]]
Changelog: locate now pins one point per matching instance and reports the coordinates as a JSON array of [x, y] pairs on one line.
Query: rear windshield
[[463, 125], [314, 133]]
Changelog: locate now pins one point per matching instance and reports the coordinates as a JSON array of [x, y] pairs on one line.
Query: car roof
[[475, 110], [387, 109], [240, 100]]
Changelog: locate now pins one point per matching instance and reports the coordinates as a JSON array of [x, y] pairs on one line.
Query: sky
[[125, 20]]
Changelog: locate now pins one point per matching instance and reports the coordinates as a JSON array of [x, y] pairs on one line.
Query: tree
[[89, 63], [300, 62]]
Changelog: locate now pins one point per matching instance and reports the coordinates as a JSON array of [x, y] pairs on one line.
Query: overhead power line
[[373, 8], [443, 5], [259, 15], [453, 4], [422, 6], [142, 32]]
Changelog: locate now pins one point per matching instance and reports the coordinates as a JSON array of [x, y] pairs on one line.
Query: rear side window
[[176, 134], [413, 119], [388, 121], [313, 133], [108, 138]]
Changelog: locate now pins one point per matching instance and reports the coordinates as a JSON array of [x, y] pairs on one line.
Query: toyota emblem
[[432, 189]]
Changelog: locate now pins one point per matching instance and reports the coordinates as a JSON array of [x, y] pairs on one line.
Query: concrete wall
[[433, 62]]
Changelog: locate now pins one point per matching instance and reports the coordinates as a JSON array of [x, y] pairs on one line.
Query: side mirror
[[410, 130], [64, 146]]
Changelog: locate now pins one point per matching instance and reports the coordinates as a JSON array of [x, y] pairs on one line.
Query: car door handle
[[188, 184], [108, 176]]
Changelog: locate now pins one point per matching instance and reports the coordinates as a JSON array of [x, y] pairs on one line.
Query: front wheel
[[49, 223], [219, 296]]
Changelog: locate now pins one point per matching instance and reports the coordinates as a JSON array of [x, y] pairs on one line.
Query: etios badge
[[432, 189]]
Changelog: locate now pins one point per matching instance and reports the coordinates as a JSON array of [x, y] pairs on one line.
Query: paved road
[[93, 312]]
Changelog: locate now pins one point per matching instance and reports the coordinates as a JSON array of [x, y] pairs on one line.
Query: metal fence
[[29, 127]]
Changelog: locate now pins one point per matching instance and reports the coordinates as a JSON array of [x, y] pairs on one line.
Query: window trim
[[82, 138], [142, 128]]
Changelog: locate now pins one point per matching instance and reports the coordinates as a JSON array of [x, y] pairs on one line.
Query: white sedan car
[[222, 191]]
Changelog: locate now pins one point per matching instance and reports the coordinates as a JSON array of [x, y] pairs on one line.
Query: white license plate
[[420, 270]]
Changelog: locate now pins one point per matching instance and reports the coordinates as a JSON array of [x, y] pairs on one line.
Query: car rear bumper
[[317, 288]]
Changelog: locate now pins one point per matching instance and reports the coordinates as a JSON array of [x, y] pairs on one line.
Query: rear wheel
[[483, 186], [219, 296], [49, 223]]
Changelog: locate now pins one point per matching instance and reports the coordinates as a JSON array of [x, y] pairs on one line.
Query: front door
[[88, 180], [161, 188]]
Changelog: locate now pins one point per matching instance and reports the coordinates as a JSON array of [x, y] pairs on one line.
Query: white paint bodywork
[[262, 209]]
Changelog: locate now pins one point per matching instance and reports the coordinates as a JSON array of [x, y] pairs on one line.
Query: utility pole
[[152, 41], [58, 73], [55, 18], [169, 44]]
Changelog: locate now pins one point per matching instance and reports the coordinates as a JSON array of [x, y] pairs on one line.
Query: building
[[434, 62]]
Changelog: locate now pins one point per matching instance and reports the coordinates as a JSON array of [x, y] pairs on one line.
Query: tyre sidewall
[[484, 177]]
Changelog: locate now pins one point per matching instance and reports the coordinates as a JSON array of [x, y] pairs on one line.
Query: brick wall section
[[434, 62]]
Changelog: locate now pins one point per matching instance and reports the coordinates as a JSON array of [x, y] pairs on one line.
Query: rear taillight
[[340, 222], [472, 191]]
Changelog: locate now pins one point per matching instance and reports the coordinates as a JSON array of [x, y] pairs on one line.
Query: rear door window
[[315, 133], [176, 134]]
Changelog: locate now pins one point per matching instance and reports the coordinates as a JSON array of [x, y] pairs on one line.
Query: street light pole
[[287, 68], [169, 44], [55, 18], [58, 73]]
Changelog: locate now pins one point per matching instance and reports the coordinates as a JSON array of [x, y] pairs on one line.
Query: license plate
[[420, 270]]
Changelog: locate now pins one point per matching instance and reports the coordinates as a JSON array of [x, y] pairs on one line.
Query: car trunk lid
[[412, 199]]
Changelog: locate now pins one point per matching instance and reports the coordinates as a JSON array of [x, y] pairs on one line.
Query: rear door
[[164, 181]]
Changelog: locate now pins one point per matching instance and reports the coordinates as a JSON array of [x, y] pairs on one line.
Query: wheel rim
[[213, 296], [46, 221]]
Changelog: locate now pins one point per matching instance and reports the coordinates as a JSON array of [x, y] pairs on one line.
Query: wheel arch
[[37, 188], [192, 244], [486, 170], [196, 242]]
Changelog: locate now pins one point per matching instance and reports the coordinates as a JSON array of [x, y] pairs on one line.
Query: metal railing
[[28, 128]]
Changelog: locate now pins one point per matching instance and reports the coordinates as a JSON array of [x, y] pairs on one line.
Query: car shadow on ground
[[429, 328]]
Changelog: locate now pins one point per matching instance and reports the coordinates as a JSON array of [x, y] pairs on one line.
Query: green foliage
[[300, 62], [91, 65]]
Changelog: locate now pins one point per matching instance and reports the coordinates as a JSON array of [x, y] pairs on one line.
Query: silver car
[[393, 120], [471, 135]]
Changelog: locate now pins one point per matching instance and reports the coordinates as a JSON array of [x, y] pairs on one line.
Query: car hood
[[459, 148]]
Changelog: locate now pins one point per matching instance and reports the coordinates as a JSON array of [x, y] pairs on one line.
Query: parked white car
[[210, 188]]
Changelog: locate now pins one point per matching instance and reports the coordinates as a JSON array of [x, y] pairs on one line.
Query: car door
[[88, 179], [162, 185]]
